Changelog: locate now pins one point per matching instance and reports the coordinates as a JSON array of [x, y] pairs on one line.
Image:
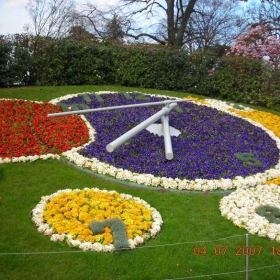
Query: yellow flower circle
[[67, 214]]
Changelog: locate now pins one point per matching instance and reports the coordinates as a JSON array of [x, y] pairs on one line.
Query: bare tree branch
[[50, 17]]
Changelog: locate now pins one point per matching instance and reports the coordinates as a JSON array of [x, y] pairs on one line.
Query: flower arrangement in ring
[[242, 208], [68, 215]]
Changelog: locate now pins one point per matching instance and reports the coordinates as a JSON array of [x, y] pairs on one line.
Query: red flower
[[26, 130]]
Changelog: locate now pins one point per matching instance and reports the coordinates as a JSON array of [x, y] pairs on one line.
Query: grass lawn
[[192, 242]]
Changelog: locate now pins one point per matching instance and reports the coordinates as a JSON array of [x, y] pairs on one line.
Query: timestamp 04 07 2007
[[222, 250]]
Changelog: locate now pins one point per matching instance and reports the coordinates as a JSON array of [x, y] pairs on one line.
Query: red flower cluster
[[26, 130]]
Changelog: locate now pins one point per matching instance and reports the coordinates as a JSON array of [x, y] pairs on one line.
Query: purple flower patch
[[205, 149]]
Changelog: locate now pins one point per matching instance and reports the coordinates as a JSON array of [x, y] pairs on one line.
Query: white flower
[[138, 240], [240, 207], [43, 227], [131, 243], [271, 235], [108, 248], [97, 247], [57, 237], [48, 232], [5, 160], [73, 242], [86, 246]]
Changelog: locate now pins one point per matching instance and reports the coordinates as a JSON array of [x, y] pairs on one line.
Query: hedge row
[[26, 60]]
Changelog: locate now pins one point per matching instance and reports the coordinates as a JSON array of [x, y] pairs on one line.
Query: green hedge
[[151, 68], [238, 79], [27, 60]]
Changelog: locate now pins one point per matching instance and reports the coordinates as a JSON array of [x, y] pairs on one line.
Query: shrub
[[5, 51], [238, 79], [29, 60]]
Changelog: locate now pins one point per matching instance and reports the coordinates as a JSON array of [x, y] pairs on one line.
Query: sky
[[13, 14]]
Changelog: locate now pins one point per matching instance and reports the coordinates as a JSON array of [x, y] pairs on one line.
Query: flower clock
[[220, 146], [96, 220]]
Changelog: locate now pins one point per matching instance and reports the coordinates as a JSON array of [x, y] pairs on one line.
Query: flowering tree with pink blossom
[[258, 42]]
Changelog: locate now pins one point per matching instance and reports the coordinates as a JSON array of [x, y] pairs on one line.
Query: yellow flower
[[275, 181], [74, 211], [198, 100]]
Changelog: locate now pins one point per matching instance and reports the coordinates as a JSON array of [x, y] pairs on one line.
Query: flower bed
[[209, 154], [241, 208], [67, 214], [28, 134], [206, 154], [219, 147], [268, 120]]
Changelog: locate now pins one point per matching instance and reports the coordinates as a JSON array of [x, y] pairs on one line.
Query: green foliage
[[117, 227], [238, 79], [248, 159], [68, 62], [126, 96], [271, 89], [98, 97], [199, 77], [86, 98], [15, 60], [27, 60], [5, 50], [49, 61], [152, 68], [273, 103], [271, 213], [63, 106]]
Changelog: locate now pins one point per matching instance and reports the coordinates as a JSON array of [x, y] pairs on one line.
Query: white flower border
[[240, 208], [49, 155], [43, 227], [169, 183]]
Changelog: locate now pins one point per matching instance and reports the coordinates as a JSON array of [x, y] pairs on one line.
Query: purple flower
[[205, 149]]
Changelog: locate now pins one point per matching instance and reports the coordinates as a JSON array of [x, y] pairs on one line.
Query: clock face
[[212, 143]]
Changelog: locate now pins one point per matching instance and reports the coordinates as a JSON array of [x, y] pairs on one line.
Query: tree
[[51, 18], [267, 13], [173, 18], [215, 23], [176, 15], [114, 29], [79, 33], [104, 24], [260, 43]]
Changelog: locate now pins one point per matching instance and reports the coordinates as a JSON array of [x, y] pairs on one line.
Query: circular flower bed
[[242, 205], [67, 214], [207, 155], [28, 134]]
